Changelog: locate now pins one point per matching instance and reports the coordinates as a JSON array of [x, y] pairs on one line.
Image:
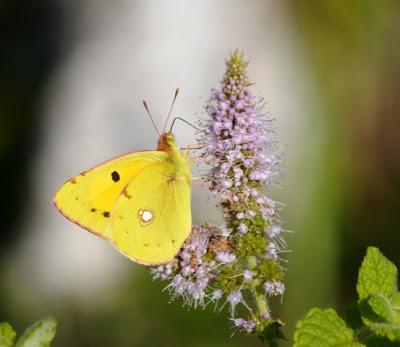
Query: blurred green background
[[72, 78]]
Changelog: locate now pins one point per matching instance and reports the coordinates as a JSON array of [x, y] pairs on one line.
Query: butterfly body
[[139, 201]]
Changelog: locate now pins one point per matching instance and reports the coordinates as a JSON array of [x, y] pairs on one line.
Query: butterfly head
[[166, 142]]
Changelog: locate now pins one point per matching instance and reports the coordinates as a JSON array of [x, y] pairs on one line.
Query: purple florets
[[202, 257], [274, 288], [246, 325], [240, 138], [237, 264], [234, 298], [189, 272], [239, 135]]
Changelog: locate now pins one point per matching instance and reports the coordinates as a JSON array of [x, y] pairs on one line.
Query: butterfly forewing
[[152, 216], [89, 198]]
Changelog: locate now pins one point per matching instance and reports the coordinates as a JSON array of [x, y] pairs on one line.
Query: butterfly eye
[[146, 216]]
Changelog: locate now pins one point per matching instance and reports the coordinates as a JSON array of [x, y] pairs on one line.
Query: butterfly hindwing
[[152, 216], [89, 198]]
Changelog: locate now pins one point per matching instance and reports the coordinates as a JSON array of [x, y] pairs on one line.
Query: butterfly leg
[[193, 147], [200, 184], [204, 160], [197, 181], [190, 161]]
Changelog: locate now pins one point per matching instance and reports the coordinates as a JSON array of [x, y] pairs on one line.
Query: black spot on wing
[[115, 176], [92, 209], [106, 214]]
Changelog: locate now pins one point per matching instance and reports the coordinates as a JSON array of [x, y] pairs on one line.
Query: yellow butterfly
[[139, 201]]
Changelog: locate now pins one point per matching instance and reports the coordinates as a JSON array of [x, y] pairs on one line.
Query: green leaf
[[396, 301], [379, 302], [377, 275], [379, 314], [383, 307], [39, 334], [323, 328], [7, 335]]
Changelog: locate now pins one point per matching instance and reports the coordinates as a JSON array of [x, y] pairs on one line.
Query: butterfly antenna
[[183, 120], [152, 120], [170, 109]]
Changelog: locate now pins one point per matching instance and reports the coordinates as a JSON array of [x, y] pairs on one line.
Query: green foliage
[[39, 334], [7, 335], [373, 321], [379, 314], [377, 275], [379, 297], [323, 328], [382, 306]]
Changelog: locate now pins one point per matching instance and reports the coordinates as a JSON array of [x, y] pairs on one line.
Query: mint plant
[[236, 264], [373, 321], [40, 334]]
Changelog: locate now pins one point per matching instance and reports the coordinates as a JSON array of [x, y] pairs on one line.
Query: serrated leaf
[[379, 315], [377, 275], [7, 335], [396, 301], [323, 328], [39, 334], [388, 330], [383, 307]]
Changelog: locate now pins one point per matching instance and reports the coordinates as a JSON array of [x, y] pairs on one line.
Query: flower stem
[[260, 299]]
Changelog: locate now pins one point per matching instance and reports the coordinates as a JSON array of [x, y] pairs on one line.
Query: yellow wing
[[152, 216], [88, 198]]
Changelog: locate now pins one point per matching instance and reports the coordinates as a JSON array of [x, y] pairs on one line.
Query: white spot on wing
[[146, 216]]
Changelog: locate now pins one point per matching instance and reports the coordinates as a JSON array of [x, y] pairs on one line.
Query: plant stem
[[260, 299]]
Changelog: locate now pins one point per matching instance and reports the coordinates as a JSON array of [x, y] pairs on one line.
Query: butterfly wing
[[152, 216], [88, 198]]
